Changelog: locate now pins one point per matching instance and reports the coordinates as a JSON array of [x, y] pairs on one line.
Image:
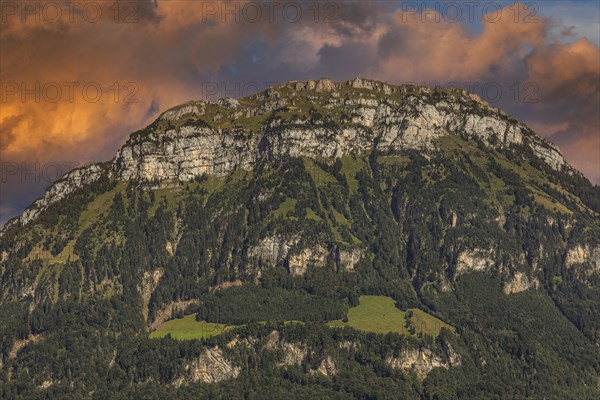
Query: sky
[[77, 77]]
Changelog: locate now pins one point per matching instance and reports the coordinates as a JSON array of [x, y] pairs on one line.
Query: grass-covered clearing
[[188, 328], [286, 207], [376, 314], [379, 314]]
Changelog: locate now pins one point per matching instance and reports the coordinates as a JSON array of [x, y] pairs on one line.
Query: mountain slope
[[312, 194]]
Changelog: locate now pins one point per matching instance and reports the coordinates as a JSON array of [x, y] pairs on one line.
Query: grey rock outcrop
[[519, 283], [210, 367], [475, 260], [583, 254], [422, 361], [347, 259], [293, 353]]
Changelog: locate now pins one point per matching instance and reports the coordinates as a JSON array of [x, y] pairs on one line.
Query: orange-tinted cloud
[[570, 100], [444, 51]]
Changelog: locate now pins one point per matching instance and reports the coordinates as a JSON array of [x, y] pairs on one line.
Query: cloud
[[569, 100]]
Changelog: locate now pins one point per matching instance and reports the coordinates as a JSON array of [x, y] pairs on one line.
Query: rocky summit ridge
[[315, 118]]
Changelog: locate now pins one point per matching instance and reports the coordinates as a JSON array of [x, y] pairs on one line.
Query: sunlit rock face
[[519, 283], [423, 361], [387, 118], [211, 367]]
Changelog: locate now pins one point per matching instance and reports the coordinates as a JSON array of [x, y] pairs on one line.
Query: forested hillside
[[273, 215]]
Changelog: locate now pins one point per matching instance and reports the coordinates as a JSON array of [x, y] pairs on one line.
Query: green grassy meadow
[[378, 314], [188, 328]]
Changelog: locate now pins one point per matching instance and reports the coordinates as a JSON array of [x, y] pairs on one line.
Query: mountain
[[311, 119], [290, 217]]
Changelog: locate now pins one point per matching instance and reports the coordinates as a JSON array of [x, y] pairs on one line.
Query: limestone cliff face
[[584, 259], [327, 367], [211, 367], [347, 259], [422, 361], [293, 353], [582, 255], [273, 249], [299, 263], [387, 118], [475, 260], [147, 286], [214, 366], [313, 118], [519, 283]]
